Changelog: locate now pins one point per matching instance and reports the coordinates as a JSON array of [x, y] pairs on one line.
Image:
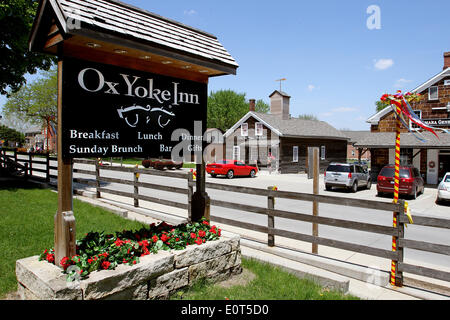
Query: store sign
[[113, 111], [437, 122]]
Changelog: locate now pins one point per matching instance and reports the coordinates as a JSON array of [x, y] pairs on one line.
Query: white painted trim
[[432, 81], [380, 114], [245, 118]]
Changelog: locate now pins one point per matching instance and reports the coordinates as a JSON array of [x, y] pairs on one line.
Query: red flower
[[65, 262], [90, 261], [164, 238], [193, 235], [206, 223], [118, 242], [177, 239], [198, 241], [50, 257], [201, 233], [213, 230], [106, 264], [155, 238]]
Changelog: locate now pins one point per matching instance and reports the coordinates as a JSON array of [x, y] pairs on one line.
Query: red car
[[231, 169], [410, 183]]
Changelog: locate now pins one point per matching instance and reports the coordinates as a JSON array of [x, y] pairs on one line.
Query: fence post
[[135, 186], [315, 167], [190, 187], [97, 178], [30, 159], [26, 170], [47, 172], [400, 251], [15, 156], [270, 219]]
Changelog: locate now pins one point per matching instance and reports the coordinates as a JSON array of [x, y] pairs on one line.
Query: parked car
[[444, 189], [350, 176], [410, 181], [231, 169]]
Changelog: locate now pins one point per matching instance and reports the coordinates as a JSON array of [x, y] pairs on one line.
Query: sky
[[338, 57]]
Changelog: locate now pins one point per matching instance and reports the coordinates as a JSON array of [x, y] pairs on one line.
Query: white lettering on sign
[[134, 88]]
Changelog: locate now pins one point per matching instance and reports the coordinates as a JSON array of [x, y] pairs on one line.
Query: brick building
[[432, 157]]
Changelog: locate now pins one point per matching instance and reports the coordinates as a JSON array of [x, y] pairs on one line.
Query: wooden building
[[257, 136], [432, 157]]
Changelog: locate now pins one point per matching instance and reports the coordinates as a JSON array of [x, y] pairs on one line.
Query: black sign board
[[113, 111]]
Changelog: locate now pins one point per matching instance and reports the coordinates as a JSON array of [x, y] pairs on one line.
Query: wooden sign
[[114, 111]]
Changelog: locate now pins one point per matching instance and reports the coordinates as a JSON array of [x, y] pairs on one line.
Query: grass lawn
[[26, 225], [269, 283]]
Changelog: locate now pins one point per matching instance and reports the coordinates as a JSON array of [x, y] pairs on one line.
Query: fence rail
[[268, 210]]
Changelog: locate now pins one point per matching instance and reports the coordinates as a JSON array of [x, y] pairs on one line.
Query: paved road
[[423, 205]]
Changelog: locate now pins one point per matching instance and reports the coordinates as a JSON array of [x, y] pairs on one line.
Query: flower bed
[[97, 251], [156, 276]]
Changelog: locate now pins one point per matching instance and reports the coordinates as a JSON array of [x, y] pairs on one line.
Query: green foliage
[[380, 105], [35, 102], [307, 117], [226, 107], [16, 19], [11, 135], [261, 106]]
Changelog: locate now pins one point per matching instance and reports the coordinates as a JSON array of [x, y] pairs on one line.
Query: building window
[[433, 93], [258, 129], [295, 154], [412, 125], [236, 153], [322, 153], [244, 130]]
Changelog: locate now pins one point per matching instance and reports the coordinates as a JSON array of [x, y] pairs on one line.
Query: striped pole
[[396, 190]]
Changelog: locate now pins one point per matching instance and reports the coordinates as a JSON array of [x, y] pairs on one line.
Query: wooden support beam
[[64, 219]]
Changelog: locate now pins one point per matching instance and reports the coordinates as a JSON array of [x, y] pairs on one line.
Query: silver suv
[[351, 176]]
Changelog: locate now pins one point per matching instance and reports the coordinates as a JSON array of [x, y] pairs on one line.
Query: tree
[[261, 106], [10, 135], [36, 102], [16, 19], [307, 117], [380, 105]]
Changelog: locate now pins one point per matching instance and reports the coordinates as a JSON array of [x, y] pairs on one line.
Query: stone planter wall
[[155, 277]]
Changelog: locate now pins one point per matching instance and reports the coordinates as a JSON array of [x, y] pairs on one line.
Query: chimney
[[251, 104], [279, 104], [446, 60]]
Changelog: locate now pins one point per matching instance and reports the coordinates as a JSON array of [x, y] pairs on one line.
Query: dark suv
[[410, 181]]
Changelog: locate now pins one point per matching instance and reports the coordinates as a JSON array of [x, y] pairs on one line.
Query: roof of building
[[407, 140], [293, 127], [356, 135], [424, 86], [281, 93], [114, 18]]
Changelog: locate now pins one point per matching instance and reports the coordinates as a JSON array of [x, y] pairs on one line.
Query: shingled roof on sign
[[122, 24]]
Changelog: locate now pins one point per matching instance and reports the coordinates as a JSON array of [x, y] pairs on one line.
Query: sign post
[[64, 233]]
